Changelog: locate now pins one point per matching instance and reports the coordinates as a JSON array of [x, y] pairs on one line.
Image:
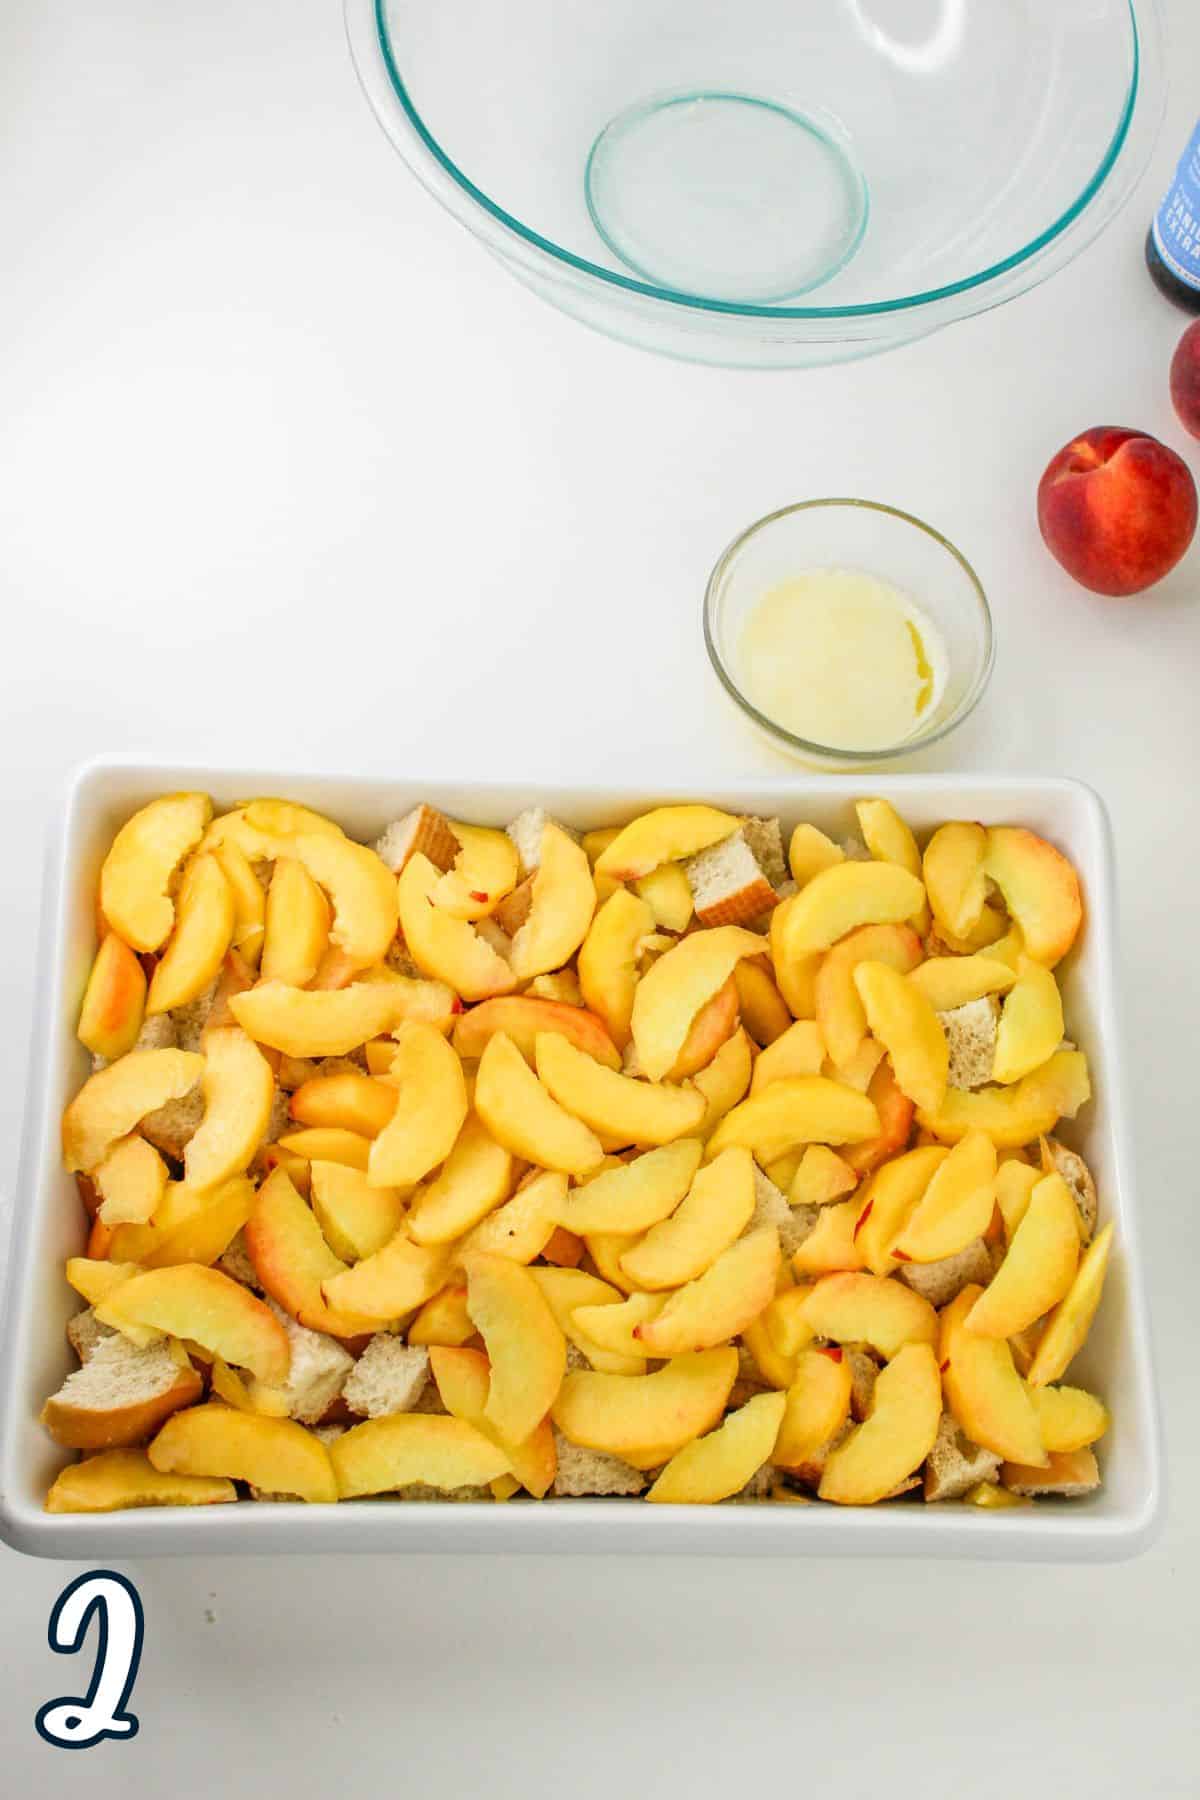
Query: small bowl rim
[[808, 746]]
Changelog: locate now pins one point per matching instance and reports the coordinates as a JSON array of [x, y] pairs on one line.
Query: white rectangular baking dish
[[1118, 1522]]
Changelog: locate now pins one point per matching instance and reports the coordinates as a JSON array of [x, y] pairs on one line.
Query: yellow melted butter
[[842, 658]]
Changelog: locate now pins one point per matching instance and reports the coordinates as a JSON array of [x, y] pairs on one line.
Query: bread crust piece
[[424, 829], [955, 1463], [1070, 1475], [941, 1282], [317, 1372], [729, 883], [1078, 1178], [389, 1377], [581, 1472], [793, 1223], [85, 1333], [971, 1033], [119, 1397]]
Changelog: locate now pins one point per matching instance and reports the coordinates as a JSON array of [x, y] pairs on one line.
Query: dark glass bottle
[[1173, 241]]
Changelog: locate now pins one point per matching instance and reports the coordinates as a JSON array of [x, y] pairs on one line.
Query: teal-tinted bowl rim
[[867, 309], [832, 753]]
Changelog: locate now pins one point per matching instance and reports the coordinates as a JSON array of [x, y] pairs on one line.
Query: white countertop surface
[[290, 471]]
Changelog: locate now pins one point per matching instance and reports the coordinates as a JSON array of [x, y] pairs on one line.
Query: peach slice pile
[[472, 1164]]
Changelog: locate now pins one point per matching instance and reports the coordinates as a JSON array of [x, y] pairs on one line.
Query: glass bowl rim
[[865, 310], [832, 752]]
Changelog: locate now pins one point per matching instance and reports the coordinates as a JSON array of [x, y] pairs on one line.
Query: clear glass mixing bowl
[[770, 183]]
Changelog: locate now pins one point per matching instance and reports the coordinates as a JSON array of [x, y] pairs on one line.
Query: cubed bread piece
[[955, 1463], [85, 1333], [120, 1396], [526, 833], [971, 1032], [765, 838], [388, 1378], [793, 1223], [189, 1021], [235, 1262], [1078, 1178], [582, 1471], [728, 881], [1070, 1475], [423, 829], [399, 958], [575, 1358], [854, 850], [760, 1486], [511, 912], [172, 1127], [811, 1471], [864, 1372], [318, 1370], [941, 1282]]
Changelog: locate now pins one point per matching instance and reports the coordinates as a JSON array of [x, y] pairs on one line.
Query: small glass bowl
[[882, 541]]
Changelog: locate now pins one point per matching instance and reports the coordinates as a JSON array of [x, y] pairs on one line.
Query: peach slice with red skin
[[1040, 889], [724, 1082], [801, 1109], [568, 1291], [615, 1106], [895, 1111], [635, 1195], [613, 1328], [1016, 1115], [764, 1011], [563, 900], [522, 1018], [623, 1414], [431, 1111], [817, 1406], [144, 856], [296, 925], [346, 1101], [449, 949], [520, 1113], [463, 1380], [1039, 1267], [356, 1218], [983, 1390], [856, 1308], [840, 1012], [673, 991], [712, 1026], [320, 1143], [716, 1306], [196, 949], [114, 1002], [1068, 1325], [114, 1101], [239, 1088], [117, 1479], [381, 1455], [904, 1022], [895, 1437], [714, 1467], [222, 1316], [715, 1210], [526, 1349], [665, 835], [276, 1454], [292, 1259]]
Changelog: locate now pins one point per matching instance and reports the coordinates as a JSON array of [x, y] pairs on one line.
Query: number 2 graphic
[[74, 1724]]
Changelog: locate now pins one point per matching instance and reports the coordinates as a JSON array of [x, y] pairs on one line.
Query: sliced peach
[[523, 1227], [248, 1396], [840, 1012], [117, 1479], [983, 1390], [817, 1405], [908, 1028], [786, 1323], [276, 1454], [114, 1003], [392, 1281], [563, 1248], [616, 1106], [1065, 1472], [770, 1365], [606, 1249], [444, 1319], [887, 836], [822, 1176], [724, 1082], [485, 870], [292, 1259], [634, 1195], [672, 992], [431, 1111], [948, 982], [896, 1436], [115, 1100], [137, 871], [351, 1102], [296, 925], [404, 1449], [888, 1201], [1019, 1114], [428, 1002], [476, 1176], [668, 893], [131, 1182], [1039, 1267], [712, 1026], [608, 960], [205, 1231], [955, 1208], [323, 1143], [764, 1011], [869, 1309], [712, 1468], [1015, 1183], [220, 1315], [718, 1206], [622, 1414], [521, 1017], [567, 1291], [714, 1307], [356, 1217], [1031, 1024], [249, 902], [563, 901], [802, 1109], [463, 1380], [831, 1245], [809, 852], [596, 843], [561, 986], [849, 895], [526, 1349], [361, 889], [239, 1088], [1040, 889], [665, 835], [520, 1113], [96, 1278], [1070, 1419], [800, 1050], [795, 970], [992, 1497], [1068, 1326], [204, 922], [954, 876], [859, 1072], [236, 977], [304, 1022], [614, 1328], [449, 949], [266, 829], [895, 1111]]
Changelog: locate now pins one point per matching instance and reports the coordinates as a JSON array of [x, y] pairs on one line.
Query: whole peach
[[1185, 379], [1117, 508]]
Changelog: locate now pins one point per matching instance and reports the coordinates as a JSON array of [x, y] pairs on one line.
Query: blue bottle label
[[1177, 221]]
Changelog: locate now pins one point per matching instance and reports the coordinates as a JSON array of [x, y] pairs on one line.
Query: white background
[[291, 472]]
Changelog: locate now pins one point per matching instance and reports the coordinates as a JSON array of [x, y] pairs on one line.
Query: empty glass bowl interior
[[847, 173]]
